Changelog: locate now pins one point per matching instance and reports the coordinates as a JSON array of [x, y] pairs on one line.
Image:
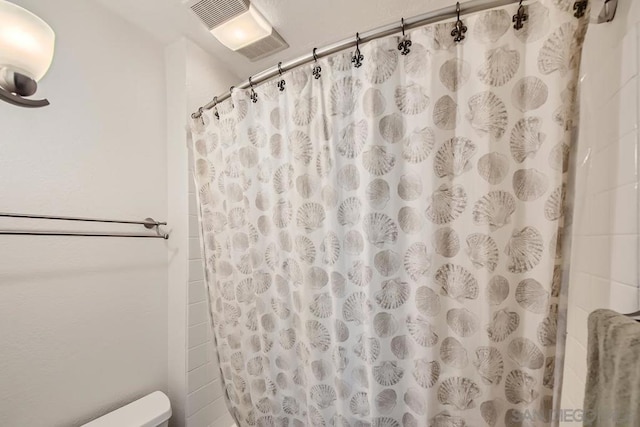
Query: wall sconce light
[[26, 51]]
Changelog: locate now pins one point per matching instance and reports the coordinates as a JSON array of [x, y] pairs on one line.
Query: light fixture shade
[[26, 41], [243, 30]]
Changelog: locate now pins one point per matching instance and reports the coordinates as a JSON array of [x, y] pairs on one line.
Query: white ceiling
[[304, 24]]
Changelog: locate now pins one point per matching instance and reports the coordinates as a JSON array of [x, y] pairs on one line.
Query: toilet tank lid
[[149, 411]]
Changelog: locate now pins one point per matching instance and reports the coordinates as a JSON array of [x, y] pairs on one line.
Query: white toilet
[[153, 410]]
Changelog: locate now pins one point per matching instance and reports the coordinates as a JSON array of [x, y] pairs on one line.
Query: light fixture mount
[[21, 101]]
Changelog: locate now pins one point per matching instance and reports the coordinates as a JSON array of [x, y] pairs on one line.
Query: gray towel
[[612, 394]]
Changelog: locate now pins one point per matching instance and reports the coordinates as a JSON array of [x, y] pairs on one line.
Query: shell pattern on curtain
[[381, 242]]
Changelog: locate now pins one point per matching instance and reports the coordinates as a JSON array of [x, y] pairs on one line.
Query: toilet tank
[[153, 410]]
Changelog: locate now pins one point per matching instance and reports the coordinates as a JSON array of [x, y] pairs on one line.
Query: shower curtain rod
[[148, 223], [469, 7]]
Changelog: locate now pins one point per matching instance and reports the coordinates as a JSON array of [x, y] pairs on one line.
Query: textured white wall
[[604, 261], [194, 77], [83, 321]]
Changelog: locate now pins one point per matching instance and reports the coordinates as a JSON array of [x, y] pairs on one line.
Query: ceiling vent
[[214, 13]]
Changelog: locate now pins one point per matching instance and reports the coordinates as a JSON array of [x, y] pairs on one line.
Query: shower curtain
[[381, 242]]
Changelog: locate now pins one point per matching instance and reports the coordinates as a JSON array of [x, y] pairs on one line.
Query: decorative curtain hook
[[520, 17], [281, 83], [317, 69], [357, 57], [580, 8], [254, 95], [405, 43], [215, 107], [459, 31]]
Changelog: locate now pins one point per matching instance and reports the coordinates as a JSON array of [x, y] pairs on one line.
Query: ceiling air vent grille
[[265, 47], [216, 12]]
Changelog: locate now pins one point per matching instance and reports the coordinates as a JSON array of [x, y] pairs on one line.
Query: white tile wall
[[205, 401], [604, 259]]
